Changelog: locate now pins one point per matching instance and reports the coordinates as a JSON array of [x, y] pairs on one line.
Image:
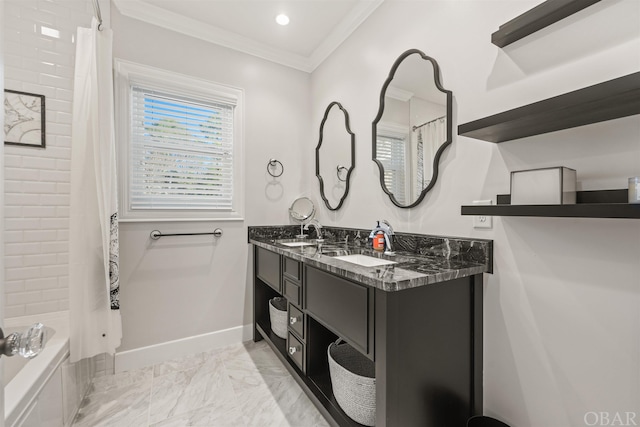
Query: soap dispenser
[[377, 238]]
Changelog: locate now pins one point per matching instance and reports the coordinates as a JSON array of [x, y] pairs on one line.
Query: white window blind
[[181, 152], [390, 151]]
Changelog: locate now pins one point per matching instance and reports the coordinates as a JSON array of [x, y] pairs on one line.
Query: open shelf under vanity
[[316, 382]]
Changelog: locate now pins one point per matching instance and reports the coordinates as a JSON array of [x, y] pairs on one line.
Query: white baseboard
[[158, 353]]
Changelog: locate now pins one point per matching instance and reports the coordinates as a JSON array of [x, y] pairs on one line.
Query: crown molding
[[155, 15], [399, 94], [343, 30]]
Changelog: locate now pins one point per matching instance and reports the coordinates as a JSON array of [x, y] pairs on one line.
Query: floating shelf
[[590, 204], [543, 15], [605, 101]]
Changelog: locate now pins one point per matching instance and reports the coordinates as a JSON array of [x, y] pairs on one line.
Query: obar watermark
[[611, 418]]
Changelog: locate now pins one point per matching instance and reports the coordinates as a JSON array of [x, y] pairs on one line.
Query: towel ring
[[339, 169], [272, 164]]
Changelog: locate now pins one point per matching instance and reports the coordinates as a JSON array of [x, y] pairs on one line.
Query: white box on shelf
[[545, 186]]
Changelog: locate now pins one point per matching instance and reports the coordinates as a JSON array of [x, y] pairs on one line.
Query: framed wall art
[[24, 121]]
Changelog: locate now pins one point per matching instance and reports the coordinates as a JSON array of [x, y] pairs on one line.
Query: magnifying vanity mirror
[[335, 156], [412, 128], [302, 209]]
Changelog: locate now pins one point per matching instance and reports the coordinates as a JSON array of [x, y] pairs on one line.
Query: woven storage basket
[[278, 315], [353, 382]]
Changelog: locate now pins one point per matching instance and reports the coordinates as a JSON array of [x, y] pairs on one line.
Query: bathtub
[[38, 389]]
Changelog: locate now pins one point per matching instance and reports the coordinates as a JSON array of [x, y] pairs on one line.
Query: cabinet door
[[268, 267], [345, 307]]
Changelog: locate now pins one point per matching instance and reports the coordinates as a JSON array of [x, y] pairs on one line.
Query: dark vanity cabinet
[[426, 342]]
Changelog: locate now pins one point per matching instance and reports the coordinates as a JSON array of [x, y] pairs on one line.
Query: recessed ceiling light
[[282, 19]]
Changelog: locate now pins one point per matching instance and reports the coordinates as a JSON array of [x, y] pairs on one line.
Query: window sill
[[180, 219]]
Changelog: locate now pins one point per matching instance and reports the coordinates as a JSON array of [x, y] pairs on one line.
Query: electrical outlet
[[481, 221]]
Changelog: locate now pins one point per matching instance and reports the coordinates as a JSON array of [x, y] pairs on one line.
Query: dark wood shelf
[[279, 345], [595, 210], [323, 384], [612, 99], [590, 204], [541, 16]]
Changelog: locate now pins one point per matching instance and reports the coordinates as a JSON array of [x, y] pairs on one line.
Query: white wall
[[562, 311], [37, 181], [185, 286]]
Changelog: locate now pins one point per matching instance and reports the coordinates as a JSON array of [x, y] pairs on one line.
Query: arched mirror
[[412, 128], [335, 156]]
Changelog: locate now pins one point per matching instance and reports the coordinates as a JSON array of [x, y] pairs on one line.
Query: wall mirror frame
[[340, 173], [426, 184]]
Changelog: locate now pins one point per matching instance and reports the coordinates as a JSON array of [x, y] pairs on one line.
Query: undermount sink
[[296, 244], [364, 260]]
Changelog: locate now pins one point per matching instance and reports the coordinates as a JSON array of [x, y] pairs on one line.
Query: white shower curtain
[[433, 134], [93, 248]]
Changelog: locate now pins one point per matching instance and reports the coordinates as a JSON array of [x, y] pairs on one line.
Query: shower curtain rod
[[96, 6], [426, 123]]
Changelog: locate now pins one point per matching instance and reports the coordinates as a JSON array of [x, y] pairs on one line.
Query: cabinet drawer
[[343, 306], [296, 350], [292, 269], [296, 321], [292, 291], [268, 267]]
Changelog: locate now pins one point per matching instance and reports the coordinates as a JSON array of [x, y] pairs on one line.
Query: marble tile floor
[[242, 385]]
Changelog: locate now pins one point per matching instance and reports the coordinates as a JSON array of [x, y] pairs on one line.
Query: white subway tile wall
[[39, 58]]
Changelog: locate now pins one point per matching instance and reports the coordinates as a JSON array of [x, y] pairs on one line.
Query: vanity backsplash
[[456, 248]]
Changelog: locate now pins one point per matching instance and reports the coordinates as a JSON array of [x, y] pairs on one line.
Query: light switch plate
[[481, 221]]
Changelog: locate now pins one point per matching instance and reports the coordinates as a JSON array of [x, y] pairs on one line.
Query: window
[[391, 152], [181, 156], [181, 153]]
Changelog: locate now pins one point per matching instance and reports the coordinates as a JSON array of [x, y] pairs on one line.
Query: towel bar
[[156, 234]]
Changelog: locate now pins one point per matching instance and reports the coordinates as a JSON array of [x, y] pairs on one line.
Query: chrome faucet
[[28, 344], [358, 239], [316, 225]]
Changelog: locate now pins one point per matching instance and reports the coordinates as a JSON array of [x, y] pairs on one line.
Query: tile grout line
[[153, 376]]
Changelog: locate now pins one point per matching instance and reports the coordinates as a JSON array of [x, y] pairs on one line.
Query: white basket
[[278, 315], [353, 382]]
